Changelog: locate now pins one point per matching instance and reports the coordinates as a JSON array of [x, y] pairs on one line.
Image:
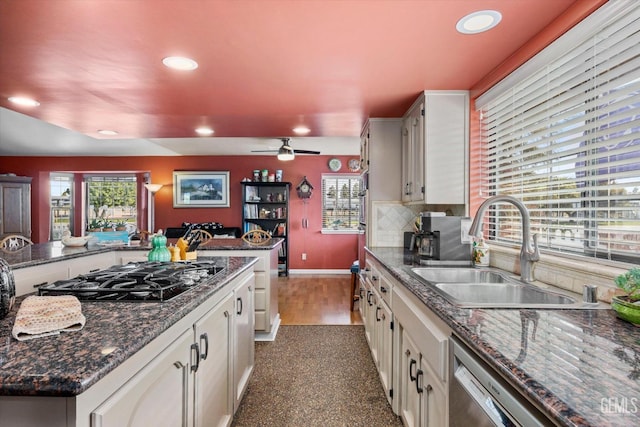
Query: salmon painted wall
[[324, 251], [573, 15]]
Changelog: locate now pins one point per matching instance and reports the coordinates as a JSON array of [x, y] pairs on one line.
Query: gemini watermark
[[619, 405]]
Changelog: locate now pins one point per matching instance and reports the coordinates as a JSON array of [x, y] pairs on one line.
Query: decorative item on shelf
[[627, 307], [278, 175], [354, 165], [304, 189], [256, 237], [335, 164]]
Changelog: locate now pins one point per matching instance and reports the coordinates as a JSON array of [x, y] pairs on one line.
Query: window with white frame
[[562, 133], [340, 202], [111, 201]]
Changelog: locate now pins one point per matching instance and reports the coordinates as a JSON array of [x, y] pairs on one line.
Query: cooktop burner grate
[[135, 282]]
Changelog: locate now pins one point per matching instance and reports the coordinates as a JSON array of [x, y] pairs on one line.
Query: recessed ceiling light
[[25, 102], [107, 132], [479, 21], [204, 131], [301, 130], [180, 63]]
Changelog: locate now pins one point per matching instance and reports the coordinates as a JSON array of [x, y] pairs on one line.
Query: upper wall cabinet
[[435, 139], [380, 151], [15, 206]]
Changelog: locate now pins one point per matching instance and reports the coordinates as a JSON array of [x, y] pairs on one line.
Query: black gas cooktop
[[135, 282]]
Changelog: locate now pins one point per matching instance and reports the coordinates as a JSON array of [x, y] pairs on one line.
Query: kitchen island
[[579, 367], [89, 375]]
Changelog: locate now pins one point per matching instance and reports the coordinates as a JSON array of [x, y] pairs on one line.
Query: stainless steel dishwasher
[[479, 397]]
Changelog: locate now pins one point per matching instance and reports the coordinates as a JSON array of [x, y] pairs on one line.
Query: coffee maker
[[444, 239]]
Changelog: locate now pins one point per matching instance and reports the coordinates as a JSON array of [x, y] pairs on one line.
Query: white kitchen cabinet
[[413, 154], [158, 395], [213, 382], [267, 317], [423, 354], [435, 144], [381, 140], [378, 323], [244, 347]]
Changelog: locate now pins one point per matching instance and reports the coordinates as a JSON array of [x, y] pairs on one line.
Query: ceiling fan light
[[285, 153]]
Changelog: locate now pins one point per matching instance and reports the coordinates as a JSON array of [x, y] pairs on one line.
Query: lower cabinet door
[[410, 406], [244, 351], [384, 342], [213, 388], [158, 395]]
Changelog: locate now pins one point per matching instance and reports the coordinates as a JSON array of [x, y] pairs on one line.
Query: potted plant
[[628, 306], [95, 224], [121, 225]]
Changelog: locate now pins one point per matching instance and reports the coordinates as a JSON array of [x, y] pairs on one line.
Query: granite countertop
[[43, 253], [582, 367], [70, 363]]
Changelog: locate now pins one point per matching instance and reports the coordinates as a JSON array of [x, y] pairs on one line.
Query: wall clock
[[304, 189], [335, 164]]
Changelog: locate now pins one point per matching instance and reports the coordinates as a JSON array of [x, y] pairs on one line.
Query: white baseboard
[[305, 271], [263, 336]]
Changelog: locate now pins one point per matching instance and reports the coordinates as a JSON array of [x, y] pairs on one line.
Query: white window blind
[[563, 135], [340, 202]]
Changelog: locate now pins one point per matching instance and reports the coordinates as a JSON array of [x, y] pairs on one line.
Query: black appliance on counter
[[135, 282], [443, 238]]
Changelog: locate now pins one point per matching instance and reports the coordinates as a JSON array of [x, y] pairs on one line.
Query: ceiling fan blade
[[305, 151], [264, 151]]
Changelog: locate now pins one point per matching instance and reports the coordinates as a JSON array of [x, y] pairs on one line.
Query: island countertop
[[43, 253], [581, 367], [70, 363]]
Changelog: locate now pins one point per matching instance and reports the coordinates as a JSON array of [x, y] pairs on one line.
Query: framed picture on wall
[[200, 189]]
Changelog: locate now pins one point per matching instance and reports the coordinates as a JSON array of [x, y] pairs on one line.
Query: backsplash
[[390, 220]]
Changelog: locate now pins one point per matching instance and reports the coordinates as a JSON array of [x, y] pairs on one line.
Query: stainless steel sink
[[483, 288], [502, 294], [459, 275]]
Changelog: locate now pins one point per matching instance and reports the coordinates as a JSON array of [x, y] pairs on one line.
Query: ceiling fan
[[285, 152]]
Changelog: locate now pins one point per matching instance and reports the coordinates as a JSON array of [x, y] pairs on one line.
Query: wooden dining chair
[[203, 235], [15, 242]]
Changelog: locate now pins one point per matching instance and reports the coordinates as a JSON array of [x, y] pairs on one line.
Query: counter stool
[[355, 271]]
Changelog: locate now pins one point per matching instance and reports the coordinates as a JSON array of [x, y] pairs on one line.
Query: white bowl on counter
[[75, 241]]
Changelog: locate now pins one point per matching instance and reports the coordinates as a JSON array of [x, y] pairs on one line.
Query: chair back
[[15, 242]]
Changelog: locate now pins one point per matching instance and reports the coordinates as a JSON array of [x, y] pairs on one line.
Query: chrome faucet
[[528, 254]]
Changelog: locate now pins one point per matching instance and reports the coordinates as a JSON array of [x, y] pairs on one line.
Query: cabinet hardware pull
[[226, 313], [383, 289], [374, 278], [377, 311], [412, 363], [407, 352], [369, 295], [419, 375], [37, 285], [195, 360], [178, 365], [204, 337], [239, 312]]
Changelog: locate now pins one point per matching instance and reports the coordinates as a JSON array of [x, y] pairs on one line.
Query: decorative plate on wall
[[354, 165], [335, 164]]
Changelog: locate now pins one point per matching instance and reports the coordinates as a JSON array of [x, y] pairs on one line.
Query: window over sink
[[562, 133]]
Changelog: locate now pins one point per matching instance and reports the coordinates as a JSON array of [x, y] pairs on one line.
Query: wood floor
[[316, 300]]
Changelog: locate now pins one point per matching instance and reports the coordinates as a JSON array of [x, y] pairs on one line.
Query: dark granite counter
[[43, 253], [581, 367], [70, 363]]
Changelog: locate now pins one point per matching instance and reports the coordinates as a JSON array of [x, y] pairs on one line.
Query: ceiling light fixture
[[107, 132], [204, 131], [180, 63], [478, 22], [23, 101], [285, 152], [301, 130]]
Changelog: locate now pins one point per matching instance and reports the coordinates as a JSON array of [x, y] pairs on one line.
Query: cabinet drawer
[[26, 278], [261, 320], [261, 280]]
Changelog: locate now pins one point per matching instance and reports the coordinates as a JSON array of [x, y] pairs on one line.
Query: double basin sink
[[489, 288]]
